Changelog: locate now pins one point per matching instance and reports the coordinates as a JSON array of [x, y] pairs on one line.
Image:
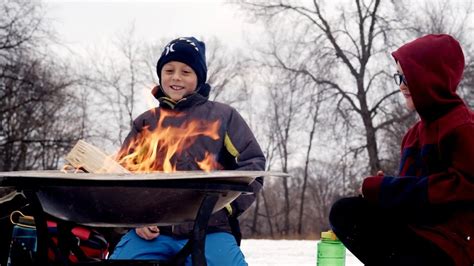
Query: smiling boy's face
[[405, 91], [178, 80]]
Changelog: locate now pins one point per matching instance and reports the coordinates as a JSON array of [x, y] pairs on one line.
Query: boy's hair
[[187, 50]]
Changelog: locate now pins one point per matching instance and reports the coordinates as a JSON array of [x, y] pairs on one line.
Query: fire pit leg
[[41, 228], [195, 245], [200, 226]]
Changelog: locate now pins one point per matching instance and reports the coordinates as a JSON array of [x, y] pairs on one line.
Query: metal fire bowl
[[130, 200]]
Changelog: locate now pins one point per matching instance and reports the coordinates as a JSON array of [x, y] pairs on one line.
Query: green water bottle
[[331, 251]]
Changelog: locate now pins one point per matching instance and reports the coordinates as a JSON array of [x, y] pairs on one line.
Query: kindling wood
[[93, 160]]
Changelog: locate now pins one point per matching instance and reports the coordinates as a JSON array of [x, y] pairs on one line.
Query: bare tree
[[324, 191], [225, 73], [358, 39], [39, 114], [117, 79], [251, 217], [36, 93], [454, 18], [314, 108], [279, 144], [22, 26]]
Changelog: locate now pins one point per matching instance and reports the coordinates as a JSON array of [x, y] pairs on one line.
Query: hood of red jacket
[[433, 66]]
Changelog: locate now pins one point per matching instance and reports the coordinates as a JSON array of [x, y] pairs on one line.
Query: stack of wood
[[92, 159]]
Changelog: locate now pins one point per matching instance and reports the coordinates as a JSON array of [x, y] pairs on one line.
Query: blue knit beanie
[[188, 50]]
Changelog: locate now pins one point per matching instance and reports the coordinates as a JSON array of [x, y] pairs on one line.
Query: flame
[[208, 163], [157, 149]]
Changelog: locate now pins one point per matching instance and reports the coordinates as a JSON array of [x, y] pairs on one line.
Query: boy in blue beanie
[[183, 91]]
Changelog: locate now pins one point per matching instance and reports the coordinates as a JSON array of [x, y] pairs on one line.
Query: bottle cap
[[18, 218], [26, 220], [329, 235]]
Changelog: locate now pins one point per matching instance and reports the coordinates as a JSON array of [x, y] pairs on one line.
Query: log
[[92, 159]]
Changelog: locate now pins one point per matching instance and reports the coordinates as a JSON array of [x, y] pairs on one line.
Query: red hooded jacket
[[436, 179]]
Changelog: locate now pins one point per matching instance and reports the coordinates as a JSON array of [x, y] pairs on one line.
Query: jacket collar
[[200, 96]]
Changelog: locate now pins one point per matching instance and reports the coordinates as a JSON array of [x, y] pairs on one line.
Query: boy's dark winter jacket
[[235, 148], [435, 189]]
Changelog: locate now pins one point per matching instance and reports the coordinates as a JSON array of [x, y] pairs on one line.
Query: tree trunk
[[305, 177], [267, 211], [254, 228]]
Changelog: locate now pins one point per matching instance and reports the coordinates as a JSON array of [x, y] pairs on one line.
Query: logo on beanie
[[188, 50], [169, 48]]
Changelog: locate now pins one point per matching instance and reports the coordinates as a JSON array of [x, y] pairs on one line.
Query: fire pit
[[131, 200]]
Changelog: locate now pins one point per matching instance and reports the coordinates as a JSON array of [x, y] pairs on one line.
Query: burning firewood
[[92, 159]]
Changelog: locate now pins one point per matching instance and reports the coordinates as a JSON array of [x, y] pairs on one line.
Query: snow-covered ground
[[263, 252]]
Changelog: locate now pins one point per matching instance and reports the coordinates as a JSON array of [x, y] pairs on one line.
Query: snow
[[263, 252]]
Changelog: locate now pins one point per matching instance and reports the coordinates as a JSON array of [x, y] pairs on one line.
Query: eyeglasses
[[399, 78]]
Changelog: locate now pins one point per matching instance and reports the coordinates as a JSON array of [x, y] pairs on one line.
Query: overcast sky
[[91, 23]]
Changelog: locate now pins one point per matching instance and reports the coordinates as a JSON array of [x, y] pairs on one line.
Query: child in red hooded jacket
[[424, 216]]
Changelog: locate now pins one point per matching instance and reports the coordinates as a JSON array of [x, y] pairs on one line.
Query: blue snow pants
[[220, 249]]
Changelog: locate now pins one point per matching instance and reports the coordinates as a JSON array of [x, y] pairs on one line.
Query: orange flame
[[208, 163], [157, 149]]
